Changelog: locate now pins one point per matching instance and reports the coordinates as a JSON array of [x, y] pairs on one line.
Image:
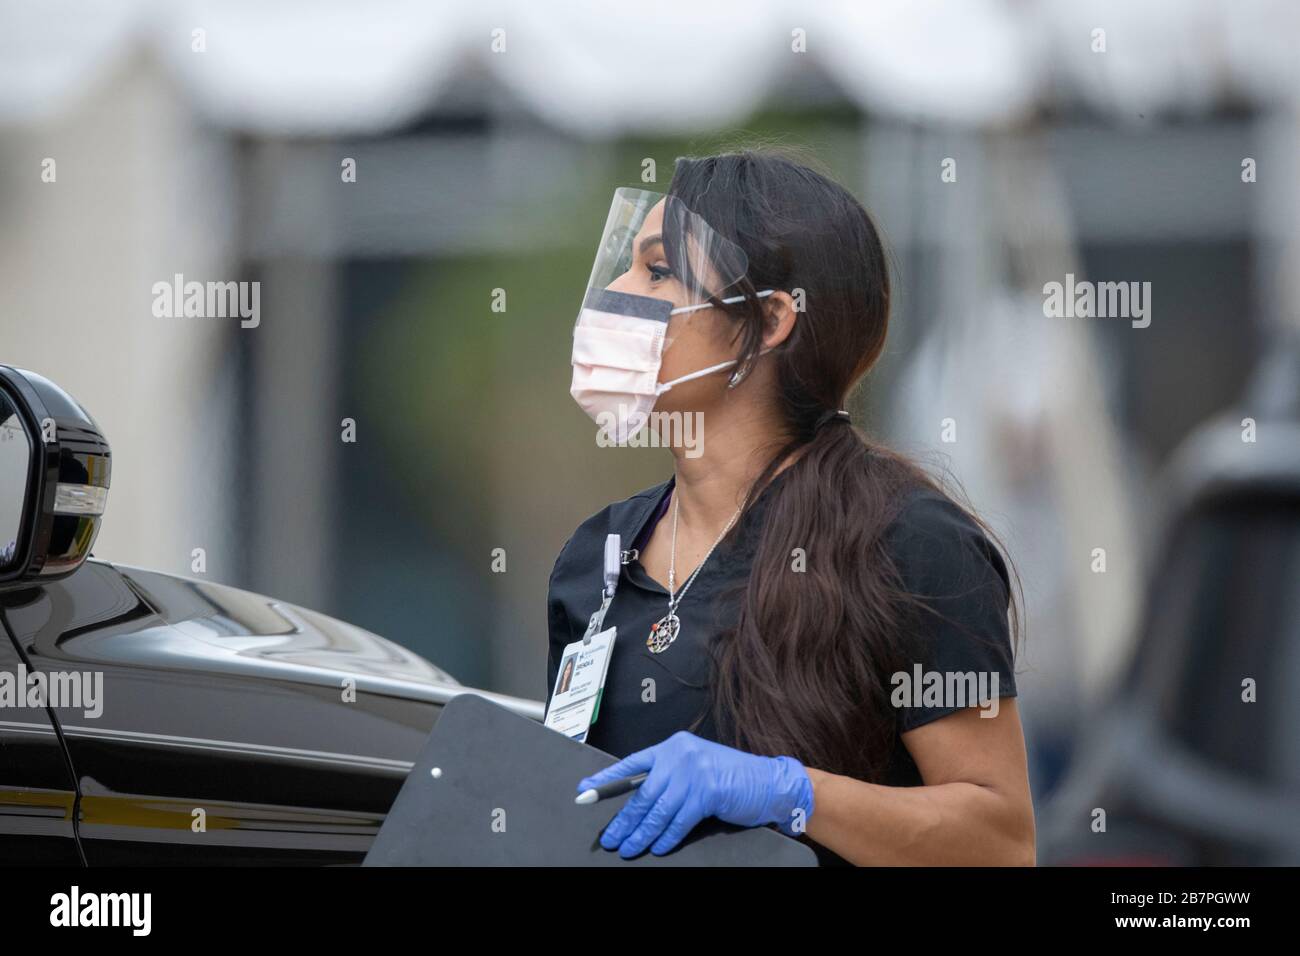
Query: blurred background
[[389, 171]]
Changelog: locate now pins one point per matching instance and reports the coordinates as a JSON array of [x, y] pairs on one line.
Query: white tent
[[600, 68]]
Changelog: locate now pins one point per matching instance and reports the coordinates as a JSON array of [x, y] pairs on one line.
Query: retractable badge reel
[[613, 567]]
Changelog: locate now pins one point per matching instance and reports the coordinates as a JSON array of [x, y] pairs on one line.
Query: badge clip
[[613, 567]]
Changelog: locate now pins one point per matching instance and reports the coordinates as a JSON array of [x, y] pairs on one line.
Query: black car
[[1195, 757], [147, 718]]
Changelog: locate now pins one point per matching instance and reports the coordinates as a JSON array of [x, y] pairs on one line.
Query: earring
[[738, 376]]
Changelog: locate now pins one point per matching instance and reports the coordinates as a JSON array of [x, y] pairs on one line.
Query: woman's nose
[[623, 283]]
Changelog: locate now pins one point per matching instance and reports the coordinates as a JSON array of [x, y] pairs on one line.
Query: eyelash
[[660, 272]]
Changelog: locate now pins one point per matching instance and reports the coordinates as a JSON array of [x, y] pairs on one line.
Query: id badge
[[575, 698]]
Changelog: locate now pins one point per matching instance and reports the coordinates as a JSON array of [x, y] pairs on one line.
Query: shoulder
[[940, 550], [957, 583]]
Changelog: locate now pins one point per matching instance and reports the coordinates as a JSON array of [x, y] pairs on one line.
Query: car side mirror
[[54, 475]]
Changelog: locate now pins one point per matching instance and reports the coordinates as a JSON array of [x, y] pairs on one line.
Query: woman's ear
[[780, 317]]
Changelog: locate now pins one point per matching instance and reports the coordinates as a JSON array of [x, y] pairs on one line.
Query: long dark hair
[[805, 670]]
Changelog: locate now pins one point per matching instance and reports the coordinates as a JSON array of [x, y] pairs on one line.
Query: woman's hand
[[691, 779]]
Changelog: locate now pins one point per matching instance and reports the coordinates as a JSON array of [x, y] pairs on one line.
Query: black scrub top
[[942, 557]]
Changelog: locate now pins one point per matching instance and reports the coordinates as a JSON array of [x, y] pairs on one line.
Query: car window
[[1231, 614]]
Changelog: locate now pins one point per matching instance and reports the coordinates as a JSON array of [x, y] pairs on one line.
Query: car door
[[37, 794], [181, 764]]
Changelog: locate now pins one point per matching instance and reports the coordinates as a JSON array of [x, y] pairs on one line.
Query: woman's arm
[[974, 809]]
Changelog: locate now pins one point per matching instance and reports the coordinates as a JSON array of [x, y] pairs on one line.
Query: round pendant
[[663, 633]]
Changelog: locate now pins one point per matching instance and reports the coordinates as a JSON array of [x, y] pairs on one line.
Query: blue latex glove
[[690, 779]]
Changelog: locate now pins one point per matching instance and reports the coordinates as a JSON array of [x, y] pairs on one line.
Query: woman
[[785, 592], [566, 675]]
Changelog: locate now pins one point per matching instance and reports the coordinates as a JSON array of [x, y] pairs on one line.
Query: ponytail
[[804, 670]]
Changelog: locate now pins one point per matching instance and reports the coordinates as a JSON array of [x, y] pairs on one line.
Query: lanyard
[[613, 567]]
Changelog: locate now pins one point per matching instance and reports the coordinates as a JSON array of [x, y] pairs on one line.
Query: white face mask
[[618, 347]]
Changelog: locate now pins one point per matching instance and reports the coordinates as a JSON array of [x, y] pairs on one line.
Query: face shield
[[656, 259], [656, 248]]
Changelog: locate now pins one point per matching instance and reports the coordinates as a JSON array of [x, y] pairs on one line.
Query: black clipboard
[[503, 796]]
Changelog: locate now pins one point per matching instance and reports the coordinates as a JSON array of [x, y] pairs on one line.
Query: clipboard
[[492, 788]]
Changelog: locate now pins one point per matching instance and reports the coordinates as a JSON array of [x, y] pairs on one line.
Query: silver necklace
[[666, 629]]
